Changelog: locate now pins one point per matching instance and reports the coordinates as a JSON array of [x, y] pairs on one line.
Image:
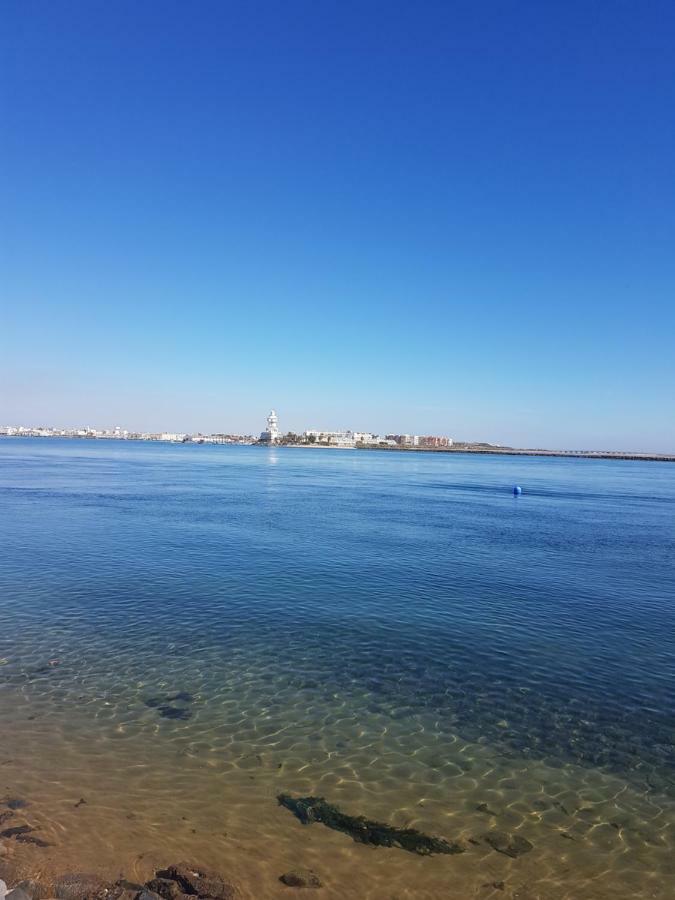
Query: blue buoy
[[517, 490]]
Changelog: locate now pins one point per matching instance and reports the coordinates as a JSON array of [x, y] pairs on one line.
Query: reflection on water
[[187, 632]]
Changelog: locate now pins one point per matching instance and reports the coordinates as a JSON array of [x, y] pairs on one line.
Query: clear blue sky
[[453, 217]]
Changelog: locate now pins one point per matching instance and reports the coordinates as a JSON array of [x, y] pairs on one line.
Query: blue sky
[[451, 217]]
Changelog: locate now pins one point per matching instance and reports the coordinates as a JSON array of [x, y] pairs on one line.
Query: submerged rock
[[15, 831], [163, 887], [166, 888], [36, 890], [154, 702], [22, 833], [125, 885], [18, 894], [198, 880], [77, 886], [174, 712], [365, 831], [301, 878], [510, 845], [31, 839], [166, 709], [128, 890], [484, 808]]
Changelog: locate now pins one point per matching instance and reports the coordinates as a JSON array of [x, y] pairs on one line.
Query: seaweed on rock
[[365, 831]]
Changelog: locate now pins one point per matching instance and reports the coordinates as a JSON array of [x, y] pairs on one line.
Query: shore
[[512, 451], [479, 449], [178, 881]]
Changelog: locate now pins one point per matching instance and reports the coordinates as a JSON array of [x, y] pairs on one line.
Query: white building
[[333, 438], [271, 435], [172, 436], [366, 437], [341, 438]]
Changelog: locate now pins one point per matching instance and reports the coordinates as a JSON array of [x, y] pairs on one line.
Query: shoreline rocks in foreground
[[183, 881]]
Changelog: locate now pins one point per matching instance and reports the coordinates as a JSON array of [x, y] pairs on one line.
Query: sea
[[187, 632]]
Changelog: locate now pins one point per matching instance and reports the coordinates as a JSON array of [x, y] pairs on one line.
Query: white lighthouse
[[271, 436]]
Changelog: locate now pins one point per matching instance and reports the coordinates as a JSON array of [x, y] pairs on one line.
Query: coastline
[[512, 451], [479, 450]]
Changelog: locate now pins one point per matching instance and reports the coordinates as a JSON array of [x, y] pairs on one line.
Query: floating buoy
[[517, 490]]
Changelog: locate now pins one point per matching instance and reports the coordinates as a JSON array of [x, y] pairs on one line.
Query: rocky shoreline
[[193, 881], [481, 450], [181, 881]]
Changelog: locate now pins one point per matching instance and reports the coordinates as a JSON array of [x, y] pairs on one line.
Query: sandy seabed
[[122, 794]]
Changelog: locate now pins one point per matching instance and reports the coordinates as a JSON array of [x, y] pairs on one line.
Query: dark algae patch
[[174, 712], [180, 697], [166, 708], [365, 831]]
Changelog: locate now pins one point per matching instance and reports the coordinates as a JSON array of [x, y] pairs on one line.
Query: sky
[[440, 218]]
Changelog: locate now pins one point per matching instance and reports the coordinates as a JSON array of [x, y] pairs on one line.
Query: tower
[[271, 435], [272, 426]]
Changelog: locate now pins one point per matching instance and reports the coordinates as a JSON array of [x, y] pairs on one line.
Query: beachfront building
[[341, 438], [416, 440], [271, 434], [367, 437], [434, 441], [405, 440], [332, 438], [174, 437]]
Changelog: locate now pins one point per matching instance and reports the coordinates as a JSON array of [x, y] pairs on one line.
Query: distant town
[[271, 435], [345, 439]]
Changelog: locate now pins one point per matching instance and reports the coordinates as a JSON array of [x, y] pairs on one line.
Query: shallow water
[[392, 631]]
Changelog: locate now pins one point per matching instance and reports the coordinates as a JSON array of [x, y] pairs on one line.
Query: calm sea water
[[395, 632]]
